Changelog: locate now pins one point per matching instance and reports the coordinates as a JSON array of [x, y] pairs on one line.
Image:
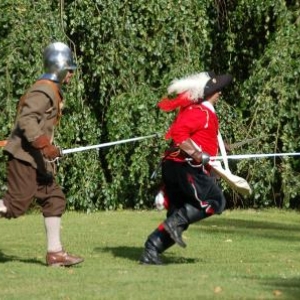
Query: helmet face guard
[[58, 60]]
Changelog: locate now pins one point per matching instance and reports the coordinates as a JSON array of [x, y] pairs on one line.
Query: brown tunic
[[29, 175]]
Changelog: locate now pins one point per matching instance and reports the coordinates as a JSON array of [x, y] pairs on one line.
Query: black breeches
[[185, 184]]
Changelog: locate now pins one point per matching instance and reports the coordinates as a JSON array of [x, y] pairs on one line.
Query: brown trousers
[[24, 184]]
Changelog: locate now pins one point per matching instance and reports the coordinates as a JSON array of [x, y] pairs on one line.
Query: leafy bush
[[273, 98]]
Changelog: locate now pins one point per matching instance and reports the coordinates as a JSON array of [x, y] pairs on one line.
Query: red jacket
[[199, 123]]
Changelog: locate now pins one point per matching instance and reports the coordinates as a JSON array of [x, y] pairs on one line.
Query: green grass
[[238, 255]]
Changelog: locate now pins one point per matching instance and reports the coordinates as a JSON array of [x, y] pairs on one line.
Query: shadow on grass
[[285, 288], [134, 254], [266, 229], [253, 224], [9, 258]]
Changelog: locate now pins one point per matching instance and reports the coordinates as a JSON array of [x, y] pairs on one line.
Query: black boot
[[194, 214], [180, 220], [157, 242], [174, 224]]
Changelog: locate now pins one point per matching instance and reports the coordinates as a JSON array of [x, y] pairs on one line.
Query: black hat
[[216, 83]]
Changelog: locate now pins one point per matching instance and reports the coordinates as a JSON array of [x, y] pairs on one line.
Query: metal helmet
[[58, 60]]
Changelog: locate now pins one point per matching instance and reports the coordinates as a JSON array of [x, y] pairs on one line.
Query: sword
[[85, 148], [244, 142]]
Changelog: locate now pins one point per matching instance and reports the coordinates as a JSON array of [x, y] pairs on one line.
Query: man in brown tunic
[[31, 152]]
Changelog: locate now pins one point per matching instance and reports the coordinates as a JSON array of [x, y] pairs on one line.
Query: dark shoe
[[150, 257], [62, 259], [171, 227]]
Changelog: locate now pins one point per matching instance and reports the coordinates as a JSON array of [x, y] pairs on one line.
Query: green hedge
[[128, 52]]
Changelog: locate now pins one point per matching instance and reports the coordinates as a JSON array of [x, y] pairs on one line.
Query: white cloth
[[3, 208]]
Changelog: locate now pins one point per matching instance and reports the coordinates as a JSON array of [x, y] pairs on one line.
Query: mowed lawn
[[242, 254]]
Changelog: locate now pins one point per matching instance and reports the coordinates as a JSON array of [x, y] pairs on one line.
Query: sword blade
[[258, 155], [85, 148]]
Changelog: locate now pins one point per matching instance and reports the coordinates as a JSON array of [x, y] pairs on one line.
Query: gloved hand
[[49, 151], [194, 151]]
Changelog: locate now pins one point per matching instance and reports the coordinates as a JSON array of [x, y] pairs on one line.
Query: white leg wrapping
[[52, 226]]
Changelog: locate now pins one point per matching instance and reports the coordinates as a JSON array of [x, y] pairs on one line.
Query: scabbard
[[239, 184]]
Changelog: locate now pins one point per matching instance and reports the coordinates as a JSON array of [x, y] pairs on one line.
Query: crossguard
[[56, 159]]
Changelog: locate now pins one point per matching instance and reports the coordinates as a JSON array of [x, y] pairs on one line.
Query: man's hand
[[49, 151]]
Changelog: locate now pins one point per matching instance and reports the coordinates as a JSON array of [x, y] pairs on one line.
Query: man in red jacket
[[31, 152], [191, 191]]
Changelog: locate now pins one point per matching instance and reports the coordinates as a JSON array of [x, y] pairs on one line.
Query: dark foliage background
[[128, 52]]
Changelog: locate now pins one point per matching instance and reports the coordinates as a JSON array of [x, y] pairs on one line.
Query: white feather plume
[[194, 84]]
